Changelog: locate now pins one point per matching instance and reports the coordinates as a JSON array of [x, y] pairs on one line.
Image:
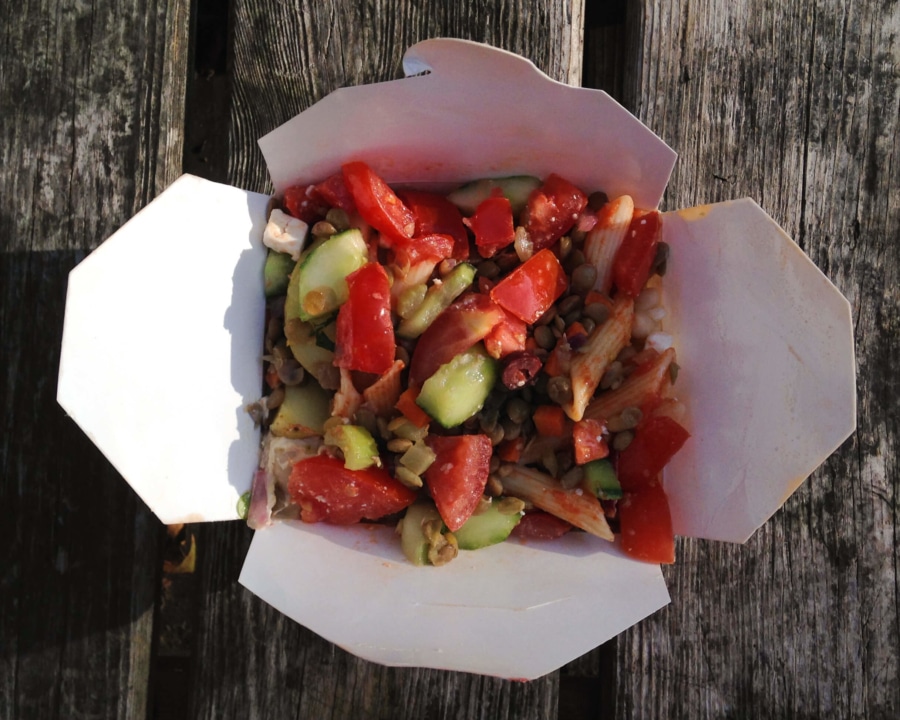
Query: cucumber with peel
[[487, 528], [515, 188]]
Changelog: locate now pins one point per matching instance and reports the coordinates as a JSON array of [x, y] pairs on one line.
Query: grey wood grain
[[250, 661], [794, 104], [91, 105]]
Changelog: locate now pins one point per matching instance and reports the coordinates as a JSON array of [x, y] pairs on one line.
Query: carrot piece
[[510, 450], [406, 404], [550, 420]]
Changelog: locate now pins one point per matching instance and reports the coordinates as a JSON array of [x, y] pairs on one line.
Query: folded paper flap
[[157, 322], [765, 342], [479, 112], [483, 612]]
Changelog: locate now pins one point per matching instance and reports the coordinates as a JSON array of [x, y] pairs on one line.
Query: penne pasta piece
[[590, 361], [382, 395], [603, 241], [642, 387], [581, 509]]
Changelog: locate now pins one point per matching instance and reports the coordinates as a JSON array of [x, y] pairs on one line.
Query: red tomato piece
[[492, 224], [587, 436], [327, 491], [422, 248], [365, 334], [334, 192], [540, 525], [435, 214], [552, 210], [631, 265], [377, 203], [656, 440], [303, 203], [458, 328], [529, 290], [508, 336], [646, 524], [458, 475]]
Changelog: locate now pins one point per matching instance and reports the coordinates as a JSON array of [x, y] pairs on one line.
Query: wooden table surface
[[102, 104]]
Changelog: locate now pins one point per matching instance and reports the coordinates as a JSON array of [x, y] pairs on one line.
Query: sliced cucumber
[[488, 528], [437, 299], [413, 541], [515, 188], [303, 411], [302, 340], [600, 479], [459, 388], [318, 285], [277, 273], [357, 444]]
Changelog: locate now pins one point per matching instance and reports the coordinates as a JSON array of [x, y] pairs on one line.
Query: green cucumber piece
[[357, 444], [437, 299], [324, 271], [277, 273], [302, 340], [303, 411], [515, 188], [412, 537], [458, 389], [487, 528], [600, 479]]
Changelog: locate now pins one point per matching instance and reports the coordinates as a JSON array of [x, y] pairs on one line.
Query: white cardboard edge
[[765, 345], [478, 112], [176, 294], [485, 612]]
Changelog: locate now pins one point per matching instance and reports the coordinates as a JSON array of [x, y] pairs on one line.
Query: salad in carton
[[467, 320]]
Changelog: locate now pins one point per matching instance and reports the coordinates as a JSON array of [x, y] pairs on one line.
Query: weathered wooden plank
[[90, 116], [795, 104], [251, 661]]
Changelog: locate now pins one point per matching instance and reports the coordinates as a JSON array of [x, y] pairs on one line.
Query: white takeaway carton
[[164, 325]]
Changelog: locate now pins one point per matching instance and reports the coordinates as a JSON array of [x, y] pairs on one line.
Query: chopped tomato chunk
[[508, 336], [333, 192], [422, 248], [656, 440], [529, 290], [303, 203], [435, 214], [492, 224], [589, 441], [365, 333], [458, 475], [646, 524], [631, 266], [327, 491], [552, 210], [377, 203], [455, 330]]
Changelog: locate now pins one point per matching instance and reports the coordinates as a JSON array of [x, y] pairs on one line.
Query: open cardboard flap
[[764, 341]]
